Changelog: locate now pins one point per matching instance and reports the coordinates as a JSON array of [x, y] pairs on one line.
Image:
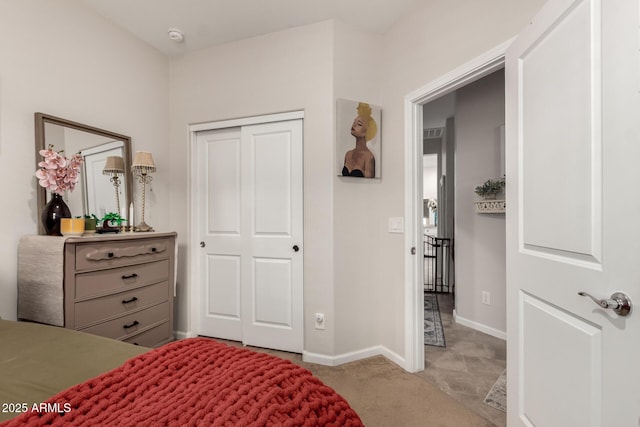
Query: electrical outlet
[[319, 320], [486, 297]]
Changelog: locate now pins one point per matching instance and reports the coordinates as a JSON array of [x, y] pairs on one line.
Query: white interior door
[[250, 220], [573, 143], [219, 210]]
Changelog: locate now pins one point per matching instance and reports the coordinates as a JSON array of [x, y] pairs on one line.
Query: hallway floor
[[469, 365]]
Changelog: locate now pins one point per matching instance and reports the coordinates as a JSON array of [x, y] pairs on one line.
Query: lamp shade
[[143, 162], [114, 166]]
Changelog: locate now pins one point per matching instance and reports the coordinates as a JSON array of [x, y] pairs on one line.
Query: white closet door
[[251, 225], [219, 223]]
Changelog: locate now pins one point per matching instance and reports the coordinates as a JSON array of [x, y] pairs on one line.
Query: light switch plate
[[396, 225]]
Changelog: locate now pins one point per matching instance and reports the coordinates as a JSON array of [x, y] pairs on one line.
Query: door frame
[[467, 73], [193, 239]]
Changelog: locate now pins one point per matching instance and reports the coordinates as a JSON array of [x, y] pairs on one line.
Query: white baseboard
[[479, 327], [395, 358], [326, 360], [322, 359], [318, 359], [180, 335]]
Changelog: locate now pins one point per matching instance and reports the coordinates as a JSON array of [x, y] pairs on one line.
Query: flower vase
[[52, 213]]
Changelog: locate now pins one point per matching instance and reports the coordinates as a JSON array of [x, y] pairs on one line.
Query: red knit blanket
[[197, 382]]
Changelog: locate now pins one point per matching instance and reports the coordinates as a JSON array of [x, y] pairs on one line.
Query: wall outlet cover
[[486, 297], [319, 321]]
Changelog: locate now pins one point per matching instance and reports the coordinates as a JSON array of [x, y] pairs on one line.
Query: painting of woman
[[359, 160]]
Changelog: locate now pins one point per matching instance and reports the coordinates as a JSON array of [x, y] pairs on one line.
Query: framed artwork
[[358, 152]]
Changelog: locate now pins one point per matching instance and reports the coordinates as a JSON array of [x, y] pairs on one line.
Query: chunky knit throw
[[193, 382]]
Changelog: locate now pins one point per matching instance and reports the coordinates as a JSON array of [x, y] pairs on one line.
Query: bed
[[56, 376]]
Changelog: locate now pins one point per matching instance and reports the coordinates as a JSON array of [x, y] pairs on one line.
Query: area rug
[[497, 396], [433, 331]]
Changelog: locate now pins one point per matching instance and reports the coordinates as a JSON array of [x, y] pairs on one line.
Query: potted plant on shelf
[[90, 223], [490, 189], [108, 219]]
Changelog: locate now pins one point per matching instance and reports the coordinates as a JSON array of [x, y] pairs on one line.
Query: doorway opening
[[438, 197], [414, 268], [462, 155], [468, 153]]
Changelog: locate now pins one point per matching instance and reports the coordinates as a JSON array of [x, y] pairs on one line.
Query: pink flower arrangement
[[57, 173]]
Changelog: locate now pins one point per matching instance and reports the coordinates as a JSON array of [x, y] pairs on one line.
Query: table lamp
[[142, 166], [114, 167]]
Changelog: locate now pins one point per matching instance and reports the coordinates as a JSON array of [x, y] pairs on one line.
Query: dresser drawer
[[101, 282], [132, 324], [154, 337], [97, 309], [93, 256]]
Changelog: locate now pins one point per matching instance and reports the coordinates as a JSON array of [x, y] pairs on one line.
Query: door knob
[[202, 244], [619, 302], [295, 248]]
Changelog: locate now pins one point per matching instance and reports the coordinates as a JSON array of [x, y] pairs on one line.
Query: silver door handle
[[619, 302]]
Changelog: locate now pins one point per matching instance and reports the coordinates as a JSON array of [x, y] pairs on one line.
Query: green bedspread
[[38, 361]]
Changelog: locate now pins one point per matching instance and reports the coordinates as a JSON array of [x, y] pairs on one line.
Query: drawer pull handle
[[130, 276], [110, 254], [131, 325], [153, 249], [127, 301]]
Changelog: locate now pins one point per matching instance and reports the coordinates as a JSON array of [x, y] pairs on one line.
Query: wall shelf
[[491, 206]]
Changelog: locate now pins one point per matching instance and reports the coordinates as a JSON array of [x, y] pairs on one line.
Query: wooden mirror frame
[[42, 119]]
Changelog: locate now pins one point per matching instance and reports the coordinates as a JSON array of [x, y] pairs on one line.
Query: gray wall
[[480, 238]]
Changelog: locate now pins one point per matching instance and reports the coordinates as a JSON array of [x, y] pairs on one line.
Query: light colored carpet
[[385, 395], [497, 396]]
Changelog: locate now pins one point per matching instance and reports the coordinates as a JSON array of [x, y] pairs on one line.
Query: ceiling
[[207, 23]]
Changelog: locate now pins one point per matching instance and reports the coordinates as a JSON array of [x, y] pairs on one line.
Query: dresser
[[119, 286]]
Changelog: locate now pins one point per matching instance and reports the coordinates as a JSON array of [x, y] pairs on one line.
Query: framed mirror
[[95, 192]]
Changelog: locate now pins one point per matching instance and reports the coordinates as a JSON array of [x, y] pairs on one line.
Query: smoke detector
[[176, 35]]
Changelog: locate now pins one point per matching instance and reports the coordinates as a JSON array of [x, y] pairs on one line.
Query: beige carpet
[[383, 394]]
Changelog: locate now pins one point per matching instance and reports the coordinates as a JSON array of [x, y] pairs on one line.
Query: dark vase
[[53, 211]]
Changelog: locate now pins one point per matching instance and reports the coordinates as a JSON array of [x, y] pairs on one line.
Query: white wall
[[284, 71], [357, 302], [430, 42], [62, 59], [480, 238], [305, 68]]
